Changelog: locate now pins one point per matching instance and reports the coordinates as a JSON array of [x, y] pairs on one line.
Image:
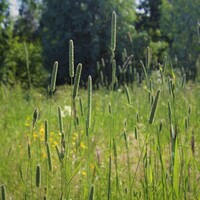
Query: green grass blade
[[88, 120], [49, 156]]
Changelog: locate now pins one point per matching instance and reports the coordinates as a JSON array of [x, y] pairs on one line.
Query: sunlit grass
[[159, 162]]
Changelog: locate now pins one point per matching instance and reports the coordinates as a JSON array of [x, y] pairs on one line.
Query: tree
[[149, 14], [27, 23], [179, 25], [5, 34], [88, 23], [4, 30], [148, 25], [21, 53]]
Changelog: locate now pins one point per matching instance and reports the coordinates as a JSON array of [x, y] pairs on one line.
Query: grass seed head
[[49, 156], [154, 107], [77, 80], [38, 176], [91, 195], [3, 192], [88, 121], [35, 116], [46, 135], [29, 151], [60, 119], [113, 31], [53, 77], [71, 58]]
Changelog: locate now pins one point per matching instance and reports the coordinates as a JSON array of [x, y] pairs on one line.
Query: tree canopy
[[87, 23], [45, 27], [179, 25]]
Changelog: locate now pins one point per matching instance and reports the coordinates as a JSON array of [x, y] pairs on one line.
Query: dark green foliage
[[5, 33], [148, 27], [15, 67], [27, 23], [87, 23], [14, 36], [181, 18], [148, 18], [166, 27]]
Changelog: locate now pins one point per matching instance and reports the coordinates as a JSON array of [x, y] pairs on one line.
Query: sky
[[14, 6]]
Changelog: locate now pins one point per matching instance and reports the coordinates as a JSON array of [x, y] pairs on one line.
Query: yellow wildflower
[[35, 135], [92, 166], [75, 136], [82, 145], [28, 121], [54, 144], [43, 154], [41, 131], [84, 173]]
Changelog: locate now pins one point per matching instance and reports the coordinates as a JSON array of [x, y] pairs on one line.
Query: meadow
[[134, 141], [140, 143]]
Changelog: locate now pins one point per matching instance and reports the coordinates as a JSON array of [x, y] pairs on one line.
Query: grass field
[[139, 142], [135, 141]]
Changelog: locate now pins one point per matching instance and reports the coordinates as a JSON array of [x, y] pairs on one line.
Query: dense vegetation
[[169, 28], [132, 133], [138, 142]]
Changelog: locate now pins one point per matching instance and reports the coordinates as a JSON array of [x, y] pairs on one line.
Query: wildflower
[[82, 145], [41, 131], [27, 122], [75, 136], [54, 144], [35, 135], [51, 133], [73, 143], [43, 154], [84, 173], [92, 166], [66, 111]]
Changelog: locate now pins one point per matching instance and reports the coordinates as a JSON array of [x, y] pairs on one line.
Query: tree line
[[39, 35]]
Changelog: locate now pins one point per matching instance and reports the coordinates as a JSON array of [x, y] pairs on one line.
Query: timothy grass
[[129, 157], [138, 141]]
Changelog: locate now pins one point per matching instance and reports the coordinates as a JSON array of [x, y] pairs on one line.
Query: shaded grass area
[[123, 157]]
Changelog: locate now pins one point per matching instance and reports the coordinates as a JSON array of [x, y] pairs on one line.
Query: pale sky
[[14, 6]]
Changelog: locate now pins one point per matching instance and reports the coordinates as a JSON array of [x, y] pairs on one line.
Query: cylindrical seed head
[[71, 58]]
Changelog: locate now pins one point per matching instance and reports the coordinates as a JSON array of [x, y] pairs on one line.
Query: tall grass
[[159, 159], [105, 148]]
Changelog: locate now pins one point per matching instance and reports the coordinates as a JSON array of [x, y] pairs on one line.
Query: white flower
[[66, 111]]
